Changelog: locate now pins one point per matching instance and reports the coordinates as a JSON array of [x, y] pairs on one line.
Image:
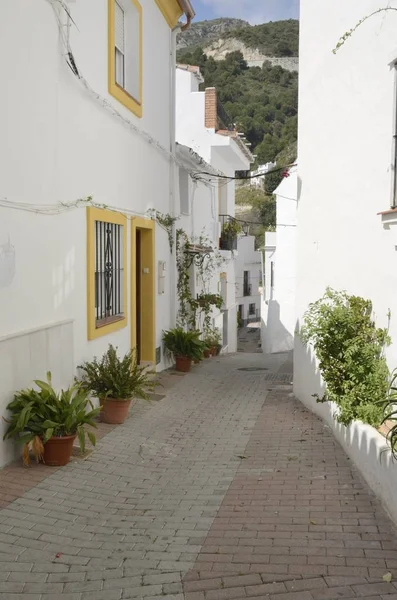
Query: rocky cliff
[[204, 32], [254, 57], [276, 42]]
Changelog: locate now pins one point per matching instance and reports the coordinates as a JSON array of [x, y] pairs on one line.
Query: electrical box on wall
[[161, 277]]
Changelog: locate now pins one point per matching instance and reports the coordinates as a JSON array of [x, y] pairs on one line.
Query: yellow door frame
[[148, 289]]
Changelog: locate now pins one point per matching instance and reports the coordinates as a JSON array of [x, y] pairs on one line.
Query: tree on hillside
[[262, 101]]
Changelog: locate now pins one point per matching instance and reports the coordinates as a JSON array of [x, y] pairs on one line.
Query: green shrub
[[114, 377], [349, 348]]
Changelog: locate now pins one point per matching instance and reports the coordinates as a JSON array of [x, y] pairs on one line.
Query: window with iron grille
[[109, 273], [252, 309]]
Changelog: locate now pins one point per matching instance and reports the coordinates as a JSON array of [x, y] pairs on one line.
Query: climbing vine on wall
[[166, 222], [348, 34], [207, 260]]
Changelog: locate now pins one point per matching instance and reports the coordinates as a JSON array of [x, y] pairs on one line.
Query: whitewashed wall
[[279, 313], [248, 259], [223, 154], [346, 122], [202, 219], [62, 145]]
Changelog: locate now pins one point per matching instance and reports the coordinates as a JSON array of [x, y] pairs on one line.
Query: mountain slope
[[261, 101], [275, 39], [203, 33]]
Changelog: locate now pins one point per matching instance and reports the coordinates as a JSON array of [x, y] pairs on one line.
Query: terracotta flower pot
[[213, 351], [114, 411], [58, 450], [207, 353], [183, 364]]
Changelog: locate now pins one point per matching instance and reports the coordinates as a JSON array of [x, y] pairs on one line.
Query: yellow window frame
[[115, 90], [106, 216]]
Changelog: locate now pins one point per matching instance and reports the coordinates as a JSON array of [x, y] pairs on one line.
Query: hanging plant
[[166, 222]]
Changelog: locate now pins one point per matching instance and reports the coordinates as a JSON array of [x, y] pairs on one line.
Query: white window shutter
[[119, 27]]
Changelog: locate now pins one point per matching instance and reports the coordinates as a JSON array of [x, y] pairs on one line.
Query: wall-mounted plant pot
[[58, 450], [114, 411], [183, 364]]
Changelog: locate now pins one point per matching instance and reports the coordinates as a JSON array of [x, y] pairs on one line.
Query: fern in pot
[[116, 382], [184, 346], [47, 422]]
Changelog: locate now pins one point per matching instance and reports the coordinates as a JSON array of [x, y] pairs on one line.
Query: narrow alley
[[226, 487]]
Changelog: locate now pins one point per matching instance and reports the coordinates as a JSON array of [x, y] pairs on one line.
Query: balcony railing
[[229, 230], [247, 289], [223, 119]]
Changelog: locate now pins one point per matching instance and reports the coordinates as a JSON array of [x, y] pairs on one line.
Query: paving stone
[[205, 490]]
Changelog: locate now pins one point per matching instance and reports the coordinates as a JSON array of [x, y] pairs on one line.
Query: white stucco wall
[[278, 323], [346, 123], [224, 155], [62, 145], [248, 259], [202, 220]]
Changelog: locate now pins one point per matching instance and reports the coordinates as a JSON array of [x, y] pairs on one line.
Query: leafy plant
[[205, 270], [183, 343], [212, 338], [167, 222], [262, 101], [38, 415], [118, 378], [231, 228], [349, 348]]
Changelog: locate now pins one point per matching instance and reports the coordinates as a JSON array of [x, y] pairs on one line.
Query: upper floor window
[[125, 53]]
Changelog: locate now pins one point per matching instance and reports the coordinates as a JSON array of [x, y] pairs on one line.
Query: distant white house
[[86, 149], [205, 131], [347, 210], [258, 176], [248, 280], [278, 308]]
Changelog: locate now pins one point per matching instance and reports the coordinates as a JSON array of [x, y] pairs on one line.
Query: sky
[[254, 11]]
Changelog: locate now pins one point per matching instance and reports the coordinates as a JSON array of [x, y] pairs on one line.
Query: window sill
[[389, 217], [110, 326], [389, 211], [109, 321], [125, 99]]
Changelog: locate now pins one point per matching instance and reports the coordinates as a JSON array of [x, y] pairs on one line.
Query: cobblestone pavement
[[226, 488]]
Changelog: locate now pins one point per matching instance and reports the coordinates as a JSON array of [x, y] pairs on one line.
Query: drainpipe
[[189, 12], [174, 208]]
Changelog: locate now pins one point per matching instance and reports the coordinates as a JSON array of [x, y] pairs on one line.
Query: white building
[[88, 110], [248, 280], [203, 126], [347, 232], [278, 308], [258, 176]]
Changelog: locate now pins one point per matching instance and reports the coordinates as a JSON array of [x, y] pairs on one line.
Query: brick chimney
[[211, 119]]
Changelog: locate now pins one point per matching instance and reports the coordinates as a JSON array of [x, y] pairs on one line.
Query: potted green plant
[[212, 340], [185, 347], [47, 422], [116, 382]]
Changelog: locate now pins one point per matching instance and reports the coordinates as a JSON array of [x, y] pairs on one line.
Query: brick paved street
[[225, 488]]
